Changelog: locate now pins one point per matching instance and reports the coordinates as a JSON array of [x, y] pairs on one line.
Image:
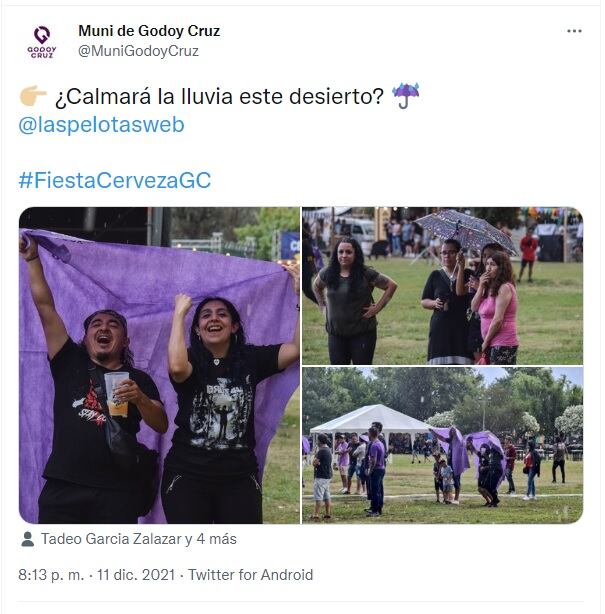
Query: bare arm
[[151, 411], [52, 324], [505, 294], [179, 366], [388, 286], [319, 290], [289, 353], [432, 304], [460, 287], [478, 298]]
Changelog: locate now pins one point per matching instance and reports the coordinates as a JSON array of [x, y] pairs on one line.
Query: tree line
[[523, 400]]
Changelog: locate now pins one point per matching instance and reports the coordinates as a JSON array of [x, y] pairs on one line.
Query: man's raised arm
[[52, 324]]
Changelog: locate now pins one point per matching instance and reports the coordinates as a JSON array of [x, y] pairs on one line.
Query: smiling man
[[83, 483]]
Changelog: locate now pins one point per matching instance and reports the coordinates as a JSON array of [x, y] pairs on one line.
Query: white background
[[508, 115]]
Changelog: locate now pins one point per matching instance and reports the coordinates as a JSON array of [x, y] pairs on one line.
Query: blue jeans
[[377, 490], [396, 245], [531, 487]]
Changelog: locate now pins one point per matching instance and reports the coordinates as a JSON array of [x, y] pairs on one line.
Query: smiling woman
[[211, 471]]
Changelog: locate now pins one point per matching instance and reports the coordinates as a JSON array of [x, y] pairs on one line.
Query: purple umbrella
[[489, 439], [469, 231], [405, 91]]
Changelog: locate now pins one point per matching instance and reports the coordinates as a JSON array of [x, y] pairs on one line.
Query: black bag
[[129, 455], [526, 470]]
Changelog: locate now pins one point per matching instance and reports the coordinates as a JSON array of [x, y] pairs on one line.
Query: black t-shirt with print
[[80, 454], [215, 421]]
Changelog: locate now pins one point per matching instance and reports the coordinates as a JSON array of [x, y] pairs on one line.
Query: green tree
[[268, 220], [422, 393]]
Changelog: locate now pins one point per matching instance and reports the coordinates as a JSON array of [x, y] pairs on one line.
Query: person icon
[[27, 540]]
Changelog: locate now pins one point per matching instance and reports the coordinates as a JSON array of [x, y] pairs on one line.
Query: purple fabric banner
[[489, 439], [141, 283], [305, 445], [459, 454]]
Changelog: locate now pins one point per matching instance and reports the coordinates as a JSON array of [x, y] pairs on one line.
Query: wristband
[[30, 259]]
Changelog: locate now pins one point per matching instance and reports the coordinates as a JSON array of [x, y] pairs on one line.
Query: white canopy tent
[[360, 420]]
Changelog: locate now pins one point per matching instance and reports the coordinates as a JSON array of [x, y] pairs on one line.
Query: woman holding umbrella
[[344, 293], [448, 332], [496, 303]]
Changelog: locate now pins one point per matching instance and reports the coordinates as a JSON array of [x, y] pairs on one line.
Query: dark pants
[[66, 503], [358, 350], [509, 476], [558, 463], [376, 480], [189, 500]]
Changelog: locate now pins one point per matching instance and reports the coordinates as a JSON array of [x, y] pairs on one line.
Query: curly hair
[[200, 354], [505, 273], [357, 269]]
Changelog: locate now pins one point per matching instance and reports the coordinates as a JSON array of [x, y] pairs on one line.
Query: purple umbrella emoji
[[405, 90]]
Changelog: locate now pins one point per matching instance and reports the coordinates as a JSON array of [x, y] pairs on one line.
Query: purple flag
[[305, 445], [489, 439], [459, 454], [141, 283]]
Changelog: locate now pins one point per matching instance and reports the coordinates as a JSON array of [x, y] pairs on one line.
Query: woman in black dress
[[448, 333], [344, 293], [211, 471]]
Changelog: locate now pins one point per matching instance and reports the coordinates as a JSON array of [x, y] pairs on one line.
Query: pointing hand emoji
[[29, 95]]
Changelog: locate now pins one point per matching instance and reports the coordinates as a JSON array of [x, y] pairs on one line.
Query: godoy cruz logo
[[41, 34]]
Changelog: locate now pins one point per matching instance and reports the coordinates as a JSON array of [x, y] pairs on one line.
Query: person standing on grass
[[448, 329], [322, 474], [342, 452], [360, 471], [559, 456], [376, 473], [344, 294], [529, 247], [415, 451], [511, 456], [352, 447], [437, 476], [446, 475], [496, 303], [457, 457], [531, 467]]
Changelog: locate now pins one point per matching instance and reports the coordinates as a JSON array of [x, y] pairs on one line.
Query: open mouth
[[103, 339], [214, 328]]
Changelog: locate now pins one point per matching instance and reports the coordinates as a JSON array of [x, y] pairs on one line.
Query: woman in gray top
[[344, 294]]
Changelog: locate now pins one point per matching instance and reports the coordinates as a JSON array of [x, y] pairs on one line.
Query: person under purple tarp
[[83, 482], [211, 472], [457, 457], [141, 283], [490, 463]]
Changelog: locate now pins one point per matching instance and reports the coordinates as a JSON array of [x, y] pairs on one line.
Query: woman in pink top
[[496, 303]]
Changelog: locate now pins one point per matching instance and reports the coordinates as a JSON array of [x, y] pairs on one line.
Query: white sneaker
[[526, 498], [533, 497], [454, 502]]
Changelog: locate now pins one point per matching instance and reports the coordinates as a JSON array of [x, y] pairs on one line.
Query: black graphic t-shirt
[[215, 420], [79, 453]]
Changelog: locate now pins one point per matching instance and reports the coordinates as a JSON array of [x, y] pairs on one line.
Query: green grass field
[[549, 317], [555, 503], [281, 491]]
